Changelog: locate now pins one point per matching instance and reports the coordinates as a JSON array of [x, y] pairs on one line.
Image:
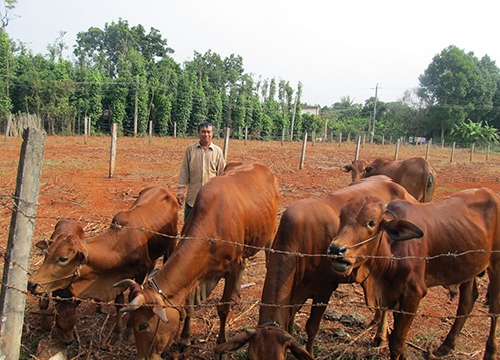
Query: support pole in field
[[472, 151], [452, 152], [226, 142], [246, 134], [112, 152], [150, 131], [85, 120], [488, 152], [356, 157], [396, 153], [7, 126], [303, 154], [428, 149], [17, 256]]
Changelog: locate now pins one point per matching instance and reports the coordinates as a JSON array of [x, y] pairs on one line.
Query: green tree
[[471, 132], [454, 85], [6, 65]]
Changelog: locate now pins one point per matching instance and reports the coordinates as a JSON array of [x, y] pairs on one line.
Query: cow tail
[[429, 183]]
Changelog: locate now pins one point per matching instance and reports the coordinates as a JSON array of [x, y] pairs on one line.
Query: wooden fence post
[[303, 154], [226, 142], [396, 153], [17, 256], [150, 131], [428, 149], [452, 152], [112, 152], [7, 126], [472, 151], [356, 157], [488, 152], [85, 127]]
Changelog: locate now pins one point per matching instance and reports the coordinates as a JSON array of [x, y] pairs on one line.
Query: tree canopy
[[126, 75]]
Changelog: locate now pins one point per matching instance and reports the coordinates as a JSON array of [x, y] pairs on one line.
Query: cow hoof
[[378, 342], [443, 351], [223, 356]]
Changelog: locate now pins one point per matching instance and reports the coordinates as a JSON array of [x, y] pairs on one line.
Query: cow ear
[[43, 244], [346, 168], [299, 351], [83, 257], [368, 170], [400, 230], [236, 342], [160, 312]]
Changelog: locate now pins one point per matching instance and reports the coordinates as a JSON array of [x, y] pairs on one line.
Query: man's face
[[205, 134]]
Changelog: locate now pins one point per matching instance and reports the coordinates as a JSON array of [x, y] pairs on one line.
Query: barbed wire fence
[[9, 200], [249, 303]]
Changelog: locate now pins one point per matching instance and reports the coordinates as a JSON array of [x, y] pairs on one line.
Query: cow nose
[[32, 286], [337, 250]]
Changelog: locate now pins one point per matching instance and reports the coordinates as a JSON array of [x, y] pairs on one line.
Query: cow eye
[[372, 223], [62, 259], [144, 327]]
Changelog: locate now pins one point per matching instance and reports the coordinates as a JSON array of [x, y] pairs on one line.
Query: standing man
[[202, 161]]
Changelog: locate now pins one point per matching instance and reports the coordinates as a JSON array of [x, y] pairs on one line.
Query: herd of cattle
[[383, 232]]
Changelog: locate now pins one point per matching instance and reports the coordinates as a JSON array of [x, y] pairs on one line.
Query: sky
[[334, 49]]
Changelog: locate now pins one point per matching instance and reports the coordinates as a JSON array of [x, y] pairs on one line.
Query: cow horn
[[135, 304], [126, 283]]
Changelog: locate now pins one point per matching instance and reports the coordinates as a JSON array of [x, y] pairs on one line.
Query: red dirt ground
[[75, 184]]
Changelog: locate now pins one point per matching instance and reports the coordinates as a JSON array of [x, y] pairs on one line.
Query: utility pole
[[374, 114], [293, 117]]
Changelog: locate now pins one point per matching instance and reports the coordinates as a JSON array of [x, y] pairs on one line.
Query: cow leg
[[66, 319], [231, 291], [313, 322], [186, 327], [468, 296], [116, 336], [47, 316], [494, 299], [380, 319], [402, 323]]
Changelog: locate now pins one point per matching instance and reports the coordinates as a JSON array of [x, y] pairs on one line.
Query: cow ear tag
[[153, 273]]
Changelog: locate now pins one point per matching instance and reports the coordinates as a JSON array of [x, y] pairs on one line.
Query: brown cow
[[87, 269], [234, 216], [415, 174], [64, 310], [306, 227], [466, 225]]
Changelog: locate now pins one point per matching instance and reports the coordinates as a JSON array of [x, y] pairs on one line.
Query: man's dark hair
[[204, 124]]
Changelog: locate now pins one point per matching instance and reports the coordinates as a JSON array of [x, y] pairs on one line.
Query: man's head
[[205, 133]]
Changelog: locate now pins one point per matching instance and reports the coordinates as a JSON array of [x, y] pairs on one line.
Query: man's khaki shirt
[[199, 166]]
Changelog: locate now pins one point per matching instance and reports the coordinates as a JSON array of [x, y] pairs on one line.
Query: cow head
[[356, 168], [64, 257], [265, 342], [363, 219], [154, 323]]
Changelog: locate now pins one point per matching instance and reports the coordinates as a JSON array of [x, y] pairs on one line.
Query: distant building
[[313, 110]]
